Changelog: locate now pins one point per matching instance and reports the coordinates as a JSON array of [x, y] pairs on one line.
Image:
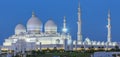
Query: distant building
[[106, 54], [33, 37]]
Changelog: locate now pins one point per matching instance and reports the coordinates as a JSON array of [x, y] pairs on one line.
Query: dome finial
[[33, 14]]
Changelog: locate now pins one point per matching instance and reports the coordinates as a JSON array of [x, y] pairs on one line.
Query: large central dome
[[34, 25]]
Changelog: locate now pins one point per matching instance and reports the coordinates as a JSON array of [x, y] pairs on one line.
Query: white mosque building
[[32, 36]]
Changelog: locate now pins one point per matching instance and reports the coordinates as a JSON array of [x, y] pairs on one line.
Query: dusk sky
[[94, 16]]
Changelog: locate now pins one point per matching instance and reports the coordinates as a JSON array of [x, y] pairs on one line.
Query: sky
[[94, 16]]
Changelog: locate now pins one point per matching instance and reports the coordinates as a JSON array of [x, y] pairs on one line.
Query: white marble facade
[[36, 34]]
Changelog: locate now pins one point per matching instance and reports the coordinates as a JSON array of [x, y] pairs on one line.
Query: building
[[33, 37], [106, 54]]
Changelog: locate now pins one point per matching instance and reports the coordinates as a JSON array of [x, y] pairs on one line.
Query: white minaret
[[109, 28], [64, 25], [79, 33]]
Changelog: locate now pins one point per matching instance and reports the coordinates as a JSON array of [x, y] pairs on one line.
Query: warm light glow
[[7, 44]]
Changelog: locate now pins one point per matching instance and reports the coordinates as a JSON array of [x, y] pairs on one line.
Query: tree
[[116, 48], [54, 49], [48, 50]]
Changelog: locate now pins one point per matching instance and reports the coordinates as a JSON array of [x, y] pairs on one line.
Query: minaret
[[64, 25], [79, 33], [109, 28], [64, 21]]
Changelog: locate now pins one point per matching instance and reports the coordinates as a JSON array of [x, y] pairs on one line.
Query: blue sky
[[94, 16]]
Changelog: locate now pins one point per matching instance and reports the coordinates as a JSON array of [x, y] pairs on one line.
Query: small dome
[[50, 23], [34, 25], [98, 43], [94, 43], [87, 40], [50, 27], [19, 29], [103, 43]]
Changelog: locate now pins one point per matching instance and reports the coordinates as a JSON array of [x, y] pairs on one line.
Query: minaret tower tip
[[109, 27], [64, 25], [79, 33]]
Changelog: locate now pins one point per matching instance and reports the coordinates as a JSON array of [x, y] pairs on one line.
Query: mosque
[[32, 36]]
